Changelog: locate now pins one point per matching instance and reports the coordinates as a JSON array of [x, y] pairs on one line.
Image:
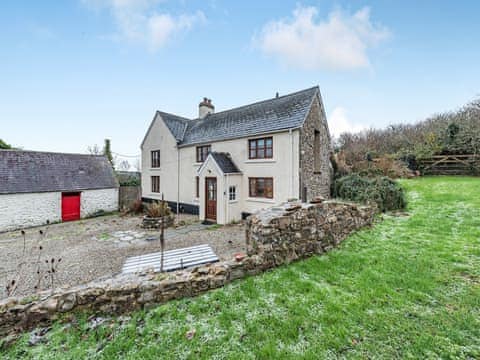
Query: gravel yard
[[98, 247]]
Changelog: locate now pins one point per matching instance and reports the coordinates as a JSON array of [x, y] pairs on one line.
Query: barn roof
[[276, 114], [32, 171]]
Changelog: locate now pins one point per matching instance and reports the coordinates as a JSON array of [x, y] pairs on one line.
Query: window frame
[[155, 159], [267, 193], [200, 153], [255, 148], [232, 190], [155, 184]]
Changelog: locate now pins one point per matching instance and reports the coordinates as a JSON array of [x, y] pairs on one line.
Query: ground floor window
[[232, 193], [156, 184], [261, 187]]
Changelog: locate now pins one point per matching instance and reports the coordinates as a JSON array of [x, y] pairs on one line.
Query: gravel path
[[94, 248]]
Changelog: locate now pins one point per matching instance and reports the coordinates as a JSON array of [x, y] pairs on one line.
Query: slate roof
[[285, 112], [31, 171], [225, 162]]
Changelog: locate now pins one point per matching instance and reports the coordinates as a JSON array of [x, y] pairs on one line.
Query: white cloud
[[339, 42], [137, 21], [339, 123]]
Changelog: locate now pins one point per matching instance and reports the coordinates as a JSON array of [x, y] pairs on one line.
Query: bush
[[136, 206], [158, 209], [385, 192]]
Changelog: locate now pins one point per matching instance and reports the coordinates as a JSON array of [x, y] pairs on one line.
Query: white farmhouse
[[226, 165], [40, 186]]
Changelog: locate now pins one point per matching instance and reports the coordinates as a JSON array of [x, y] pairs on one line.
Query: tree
[[107, 151], [94, 150], [124, 165], [4, 145]]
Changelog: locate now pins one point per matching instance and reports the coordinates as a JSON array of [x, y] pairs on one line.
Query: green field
[[407, 288]]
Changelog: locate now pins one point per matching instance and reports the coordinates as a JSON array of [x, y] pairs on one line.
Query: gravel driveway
[[98, 247]]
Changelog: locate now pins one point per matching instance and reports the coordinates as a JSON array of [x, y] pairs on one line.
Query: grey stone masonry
[[315, 180], [274, 237]]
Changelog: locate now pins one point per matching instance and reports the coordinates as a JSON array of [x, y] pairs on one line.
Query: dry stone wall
[[275, 236]]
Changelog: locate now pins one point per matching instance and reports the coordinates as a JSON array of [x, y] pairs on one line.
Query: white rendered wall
[[24, 210], [284, 168], [92, 201]]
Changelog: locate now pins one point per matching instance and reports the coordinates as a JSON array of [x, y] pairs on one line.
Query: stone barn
[[40, 186]]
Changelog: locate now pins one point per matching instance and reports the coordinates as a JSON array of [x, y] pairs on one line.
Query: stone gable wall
[[317, 183], [274, 237]]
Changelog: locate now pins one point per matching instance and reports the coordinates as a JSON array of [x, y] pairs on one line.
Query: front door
[[211, 198]]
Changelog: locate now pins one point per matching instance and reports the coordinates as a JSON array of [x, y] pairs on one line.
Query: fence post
[[162, 238]]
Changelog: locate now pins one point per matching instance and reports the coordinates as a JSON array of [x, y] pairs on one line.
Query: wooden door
[[70, 206], [211, 198]]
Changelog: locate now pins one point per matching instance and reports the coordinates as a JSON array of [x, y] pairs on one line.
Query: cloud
[[339, 123], [138, 21], [339, 42]]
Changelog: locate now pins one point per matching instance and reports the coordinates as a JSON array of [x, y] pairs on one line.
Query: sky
[[75, 72]]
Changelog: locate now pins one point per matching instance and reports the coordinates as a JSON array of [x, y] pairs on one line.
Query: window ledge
[[253, 161], [261, 200], [232, 201], [197, 163], [155, 168]]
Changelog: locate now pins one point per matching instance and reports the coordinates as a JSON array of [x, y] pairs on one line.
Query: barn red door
[[70, 206]]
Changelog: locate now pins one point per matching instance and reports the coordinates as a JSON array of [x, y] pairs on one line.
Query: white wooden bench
[[172, 259]]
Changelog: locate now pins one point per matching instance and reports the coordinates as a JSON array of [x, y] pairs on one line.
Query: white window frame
[[234, 193]]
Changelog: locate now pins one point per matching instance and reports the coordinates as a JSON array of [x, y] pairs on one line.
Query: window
[[232, 193], [261, 187], [197, 186], [156, 184], [260, 148], [156, 159], [202, 152], [316, 153]]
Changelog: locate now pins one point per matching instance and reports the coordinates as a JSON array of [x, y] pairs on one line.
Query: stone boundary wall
[[274, 237]]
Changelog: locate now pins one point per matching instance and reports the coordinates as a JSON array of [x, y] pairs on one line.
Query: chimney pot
[[205, 107]]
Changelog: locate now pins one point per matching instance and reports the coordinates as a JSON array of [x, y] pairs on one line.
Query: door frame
[[206, 198]]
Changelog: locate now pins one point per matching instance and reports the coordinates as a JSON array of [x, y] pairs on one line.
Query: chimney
[[205, 108]]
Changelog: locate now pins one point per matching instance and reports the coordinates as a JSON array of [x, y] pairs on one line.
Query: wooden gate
[[451, 165]]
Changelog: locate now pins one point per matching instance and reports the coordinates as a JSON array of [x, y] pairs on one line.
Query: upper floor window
[[202, 152], [261, 187], [261, 148], [155, 159], [232, 193], [155, 184]]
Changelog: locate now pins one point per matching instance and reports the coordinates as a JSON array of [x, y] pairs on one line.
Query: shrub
[[158, 209], [385, 192], [136, 206]]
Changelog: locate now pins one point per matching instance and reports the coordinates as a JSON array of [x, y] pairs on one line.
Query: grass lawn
[[407, 288]]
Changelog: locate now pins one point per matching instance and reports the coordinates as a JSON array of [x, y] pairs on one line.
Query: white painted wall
[[92, 201], [160, 138], [19, 211], [24, 210], [284, 168]]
